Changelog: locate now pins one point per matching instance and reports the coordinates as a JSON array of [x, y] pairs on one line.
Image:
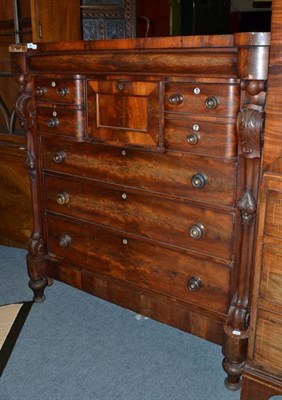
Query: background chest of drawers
[[141, 180]]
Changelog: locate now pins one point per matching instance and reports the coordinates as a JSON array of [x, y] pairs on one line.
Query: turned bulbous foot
[[38, 288], [234, 373]]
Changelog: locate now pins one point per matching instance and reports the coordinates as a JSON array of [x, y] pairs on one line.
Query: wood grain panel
[[125, 112], [163, 173]]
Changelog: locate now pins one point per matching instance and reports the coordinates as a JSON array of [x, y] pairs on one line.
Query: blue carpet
[[75, 346]]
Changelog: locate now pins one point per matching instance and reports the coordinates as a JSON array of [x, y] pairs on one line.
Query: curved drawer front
[[196, 135], [146, 265], [172, 222], [202, 98], [59, 90], [62, 122], [161, 173]]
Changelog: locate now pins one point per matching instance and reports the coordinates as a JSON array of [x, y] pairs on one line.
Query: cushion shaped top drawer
[[144, 264], [202, 98], [59, 90], [188, 176], [175, 223]]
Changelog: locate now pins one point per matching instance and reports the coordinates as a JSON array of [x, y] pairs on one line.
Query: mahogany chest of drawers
[[144, 161]]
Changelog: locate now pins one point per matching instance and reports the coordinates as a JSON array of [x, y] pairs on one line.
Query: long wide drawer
[[173, 222], [188, 176], [173, 273]]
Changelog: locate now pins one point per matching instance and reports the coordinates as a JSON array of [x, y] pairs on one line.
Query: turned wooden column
[[25, 109], [252, 70]]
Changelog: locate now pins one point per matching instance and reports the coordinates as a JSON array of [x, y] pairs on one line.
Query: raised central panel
[[125, 112]]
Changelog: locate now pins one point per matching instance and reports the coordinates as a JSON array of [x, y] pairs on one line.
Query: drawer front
[[168, 221], [123, 111], [271, 280], [161, 173], [59, 90], [54, 121], [199, 98], [198, 136], [159, 269]]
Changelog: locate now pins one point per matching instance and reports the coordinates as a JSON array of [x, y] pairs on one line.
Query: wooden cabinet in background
[[262, 377], [54, 20]]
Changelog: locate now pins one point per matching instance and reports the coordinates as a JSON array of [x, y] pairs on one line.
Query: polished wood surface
[[123, 212], [262, 378]]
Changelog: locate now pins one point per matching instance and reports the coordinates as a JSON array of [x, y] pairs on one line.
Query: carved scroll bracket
[[250, 123], [24, 106]]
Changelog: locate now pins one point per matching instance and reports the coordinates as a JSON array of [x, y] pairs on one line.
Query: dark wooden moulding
[[155, 284]]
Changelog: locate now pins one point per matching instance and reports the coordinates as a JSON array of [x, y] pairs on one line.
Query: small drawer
[[202, 98], [187, 176], [59, 90], [198, 136], [125, 112], [173, 273], [200, 229], [63, 122]]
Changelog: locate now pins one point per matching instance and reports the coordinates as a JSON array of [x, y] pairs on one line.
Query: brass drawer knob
[[196, 231], [192, 138], [64, 241], [62, 198], [199, 181], [53, 122], [59, 157], [176, 99], [194, 284], [40, 91], [211, 102], [62, 92]]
